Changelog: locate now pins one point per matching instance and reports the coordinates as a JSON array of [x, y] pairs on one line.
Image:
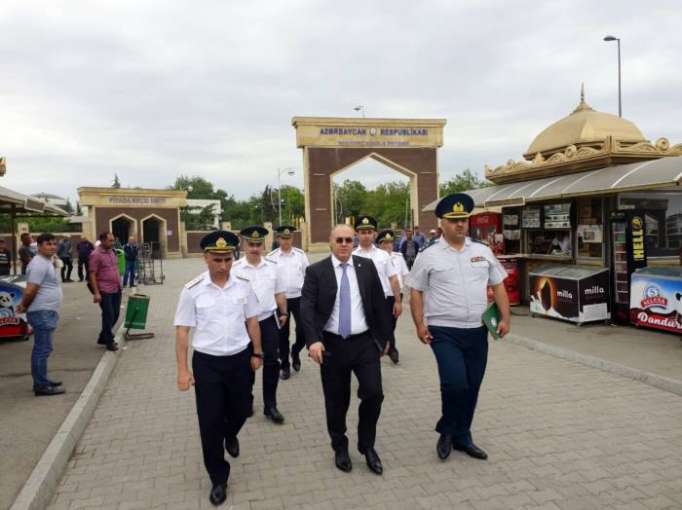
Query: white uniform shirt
[[217, 314], [358, 324], [292, 266], [400, 266], [455, 282], [382, 261], [265, 281]]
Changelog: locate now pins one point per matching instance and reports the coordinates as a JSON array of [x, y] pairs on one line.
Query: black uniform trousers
[[269, 334], [462, 355], [222, 385], [358, 354], [293, 308], [390, 301]]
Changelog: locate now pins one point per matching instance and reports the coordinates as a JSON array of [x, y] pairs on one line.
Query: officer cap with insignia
[[219, 241], [285, 231], [455, 206], [385, 235], [254, 234], [365, 222]]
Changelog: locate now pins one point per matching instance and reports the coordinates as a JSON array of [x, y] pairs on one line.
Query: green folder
[[491, 318]]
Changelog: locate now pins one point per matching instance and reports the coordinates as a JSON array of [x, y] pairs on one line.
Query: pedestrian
[[5, 259], [26, 251], [344, 317], [433, 238], [409, 248], [291, 263], [366, 229], [449, 283], [105, 282], [64, 253], [269, 287], [84, 249], [41, 302], [419, 237], [131, 253], [385, 240], [222, 310]]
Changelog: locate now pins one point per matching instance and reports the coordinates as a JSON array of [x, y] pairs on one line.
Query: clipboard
[[491, 318]]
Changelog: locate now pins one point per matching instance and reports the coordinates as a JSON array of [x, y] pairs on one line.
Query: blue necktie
[[344, 304]]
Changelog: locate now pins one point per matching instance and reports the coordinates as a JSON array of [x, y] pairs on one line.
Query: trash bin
[[136, 316], [121, 256]]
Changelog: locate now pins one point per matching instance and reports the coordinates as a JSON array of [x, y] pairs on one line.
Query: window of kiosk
[[663, 218], [511, 230], [554, 243], [590, 228]]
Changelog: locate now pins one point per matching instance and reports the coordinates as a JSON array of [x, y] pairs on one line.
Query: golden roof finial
[[583, 106]]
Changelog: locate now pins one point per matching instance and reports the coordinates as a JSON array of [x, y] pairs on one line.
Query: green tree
[[350, 198], [196, 187], [79, 211], [463, 181], [68, 207], [117, 182]]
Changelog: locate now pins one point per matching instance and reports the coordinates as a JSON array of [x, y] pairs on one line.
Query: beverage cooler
[[573, 293], [487, 228], [628, 231], [656, 298]]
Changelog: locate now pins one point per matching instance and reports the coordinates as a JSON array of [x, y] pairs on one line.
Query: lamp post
[[360, 108], [611, 38], [289, 172]]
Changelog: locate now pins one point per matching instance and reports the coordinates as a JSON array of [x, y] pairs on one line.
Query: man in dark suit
[[346, 330]]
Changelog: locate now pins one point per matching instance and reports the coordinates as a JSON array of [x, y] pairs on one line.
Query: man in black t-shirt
[[5, 259]]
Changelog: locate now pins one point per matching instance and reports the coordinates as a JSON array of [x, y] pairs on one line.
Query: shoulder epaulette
[[272, 261], [243, 278], [298, 250], [194, 282], [479, 242], [238, 262], [272, 252]]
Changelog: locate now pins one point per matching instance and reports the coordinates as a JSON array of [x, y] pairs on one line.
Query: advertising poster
[[656, 302], [10, 297]]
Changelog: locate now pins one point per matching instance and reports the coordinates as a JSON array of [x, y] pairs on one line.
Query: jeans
[[111, 308], [66, 268], [43, 322], [462, 355], [82, 269], [130, 270]]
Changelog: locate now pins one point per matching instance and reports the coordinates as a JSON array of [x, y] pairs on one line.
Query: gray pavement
[[27, 423], [560, 436]]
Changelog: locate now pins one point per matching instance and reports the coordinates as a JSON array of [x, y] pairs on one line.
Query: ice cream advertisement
[[656, 301]]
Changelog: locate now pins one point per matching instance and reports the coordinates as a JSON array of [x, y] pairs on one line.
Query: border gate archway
[[331, 144]]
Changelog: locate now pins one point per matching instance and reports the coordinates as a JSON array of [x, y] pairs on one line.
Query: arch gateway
[[332, 144]]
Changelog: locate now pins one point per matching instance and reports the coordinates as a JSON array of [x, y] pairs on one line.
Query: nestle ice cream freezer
[[656, 298], [12, 325], [573, 293]]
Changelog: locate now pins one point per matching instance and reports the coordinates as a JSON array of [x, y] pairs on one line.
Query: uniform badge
[[458, 207]]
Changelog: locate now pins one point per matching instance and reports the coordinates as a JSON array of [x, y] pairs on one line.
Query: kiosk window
[[663, 216], [590, 229], [547, 242]]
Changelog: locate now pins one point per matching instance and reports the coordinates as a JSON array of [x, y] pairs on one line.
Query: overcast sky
[[153, 89]]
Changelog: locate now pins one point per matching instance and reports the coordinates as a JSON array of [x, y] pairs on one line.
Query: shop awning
[[652, 174], [13, 201]]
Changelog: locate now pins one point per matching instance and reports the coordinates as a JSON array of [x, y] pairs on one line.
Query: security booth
[[590, 191]]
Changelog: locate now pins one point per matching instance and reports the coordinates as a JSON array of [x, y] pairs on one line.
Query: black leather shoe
[[274, 415], [113, 347], [296, 362], [218, 494], [54, 383], [471, 450], [444, 446], [342, 460], [47, 391], [373, 461], [284, 374], [394, 356], [232, 446]]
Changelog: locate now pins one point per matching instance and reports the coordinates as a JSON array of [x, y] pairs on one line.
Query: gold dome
[[582, 127]]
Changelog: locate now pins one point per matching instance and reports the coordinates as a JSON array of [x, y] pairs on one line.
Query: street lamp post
[[289, 172], [610, 38]]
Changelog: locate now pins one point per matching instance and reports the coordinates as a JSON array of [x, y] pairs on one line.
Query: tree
[[196, 187], [349, 199], [462, 182], [68, 207], [117, 182], [79, 211]]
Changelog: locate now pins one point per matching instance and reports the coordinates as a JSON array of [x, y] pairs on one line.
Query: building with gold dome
[[577, 177]]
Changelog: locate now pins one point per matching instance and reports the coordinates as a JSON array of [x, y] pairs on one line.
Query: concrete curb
[[657, 381], [41, 485]]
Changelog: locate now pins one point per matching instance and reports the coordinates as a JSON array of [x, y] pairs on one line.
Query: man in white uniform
[[269, 287], [366, 228], [291, 264], [222, 309]]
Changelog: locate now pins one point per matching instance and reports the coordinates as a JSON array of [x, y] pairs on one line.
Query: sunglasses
[[342, 240]]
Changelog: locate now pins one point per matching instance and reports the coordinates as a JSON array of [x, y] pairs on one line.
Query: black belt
[[334, 336]]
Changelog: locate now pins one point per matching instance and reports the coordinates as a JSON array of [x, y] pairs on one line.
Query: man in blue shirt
[[131, 251]]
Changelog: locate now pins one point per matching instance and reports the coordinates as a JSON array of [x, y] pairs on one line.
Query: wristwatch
[[257, 355]]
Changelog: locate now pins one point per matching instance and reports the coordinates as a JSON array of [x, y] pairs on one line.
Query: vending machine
[[628, 248], [487, 228]]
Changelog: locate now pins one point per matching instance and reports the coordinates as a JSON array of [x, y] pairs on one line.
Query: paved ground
[[560, 435], [27, 423]]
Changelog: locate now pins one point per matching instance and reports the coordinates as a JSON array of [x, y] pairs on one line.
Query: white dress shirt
[[400, 266], [358, 324], [265, 281], [217, 314], [382, 261], [292, 266]]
